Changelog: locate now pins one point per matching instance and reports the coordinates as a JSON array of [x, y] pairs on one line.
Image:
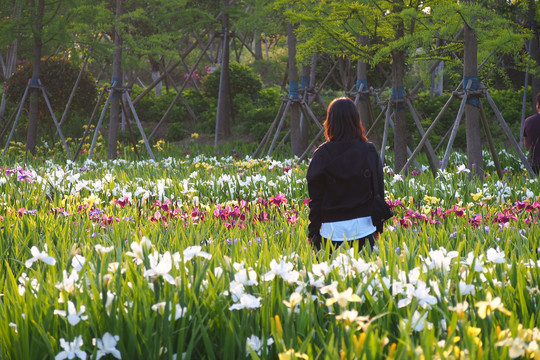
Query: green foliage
[[509, 103], [58, 76], [271, 71], [151, 108], [243, 81], [254, 114], [176, 131]]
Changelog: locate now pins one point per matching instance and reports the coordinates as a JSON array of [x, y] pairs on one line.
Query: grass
[[194, 256]]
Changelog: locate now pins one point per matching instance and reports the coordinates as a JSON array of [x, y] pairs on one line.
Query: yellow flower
[[485, 308], [92, 200], [431, 200], [291, 354], [294, 299], [477, 196], [69, 199], [425, 209], [195, 136], [351, 316], [279, 328], [473, 331], [159, 145], [343, 298], [460, 309], [392, 350]]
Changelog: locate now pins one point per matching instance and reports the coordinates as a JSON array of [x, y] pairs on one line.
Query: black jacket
[[339, 182]]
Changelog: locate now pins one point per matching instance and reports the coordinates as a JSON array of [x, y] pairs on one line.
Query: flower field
[[205, 257]]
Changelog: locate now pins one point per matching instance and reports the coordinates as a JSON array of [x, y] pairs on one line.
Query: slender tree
[[298, 144], [116, 81], [223, 127], [472, 111], [9, 62], [362, 84], [534, 50], [398, 91], [37, 31], [43, 28]]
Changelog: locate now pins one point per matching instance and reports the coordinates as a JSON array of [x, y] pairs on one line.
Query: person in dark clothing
[[339, 180], [531, 137]]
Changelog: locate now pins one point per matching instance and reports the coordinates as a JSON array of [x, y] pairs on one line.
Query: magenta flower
[[123, 202], [293, 219], [278, 199]]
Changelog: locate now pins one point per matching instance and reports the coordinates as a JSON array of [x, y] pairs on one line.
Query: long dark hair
[[343, 121]]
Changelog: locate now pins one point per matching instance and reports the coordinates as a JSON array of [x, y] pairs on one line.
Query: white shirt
[[348, 229]]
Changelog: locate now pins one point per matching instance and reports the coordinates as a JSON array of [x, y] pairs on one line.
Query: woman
[[340, 180]]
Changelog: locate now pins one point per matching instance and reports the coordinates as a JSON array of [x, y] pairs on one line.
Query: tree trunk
[[437, 80], [116, 78], [266, 47], [361, 80], [10, 66], [31, 134], [10, 63], [223, 127], [534, 52], [304, 120], [400, 122], [258, 45], [472, 107], [297, 143], [156, 74], [436, 88]]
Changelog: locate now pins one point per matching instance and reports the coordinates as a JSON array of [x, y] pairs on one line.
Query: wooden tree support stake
[[377, 120], [100, 121], [54, 118], [491, 145], [89, 123], [131, 137], [427, 133], [455, 127], [143, 134], [25, 94], [432, 158], [506, 129], [280, 125], [179, 92], [385, 133], [266, 137]]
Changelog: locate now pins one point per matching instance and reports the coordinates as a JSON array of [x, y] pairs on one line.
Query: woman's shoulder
[[371, 146], [321, 149]]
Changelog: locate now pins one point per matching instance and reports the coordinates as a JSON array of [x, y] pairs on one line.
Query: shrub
[[176, 131], [58, 76], [243, 81], [152, 109], [270, 71], [255, 114], [509, 103]]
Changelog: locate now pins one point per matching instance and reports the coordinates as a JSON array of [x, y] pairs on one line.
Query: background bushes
[[254, 107], [509, 103], [58, 77]]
